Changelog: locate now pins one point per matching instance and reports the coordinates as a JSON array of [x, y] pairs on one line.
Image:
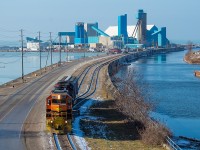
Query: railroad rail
[[172, 144], [58, 146], [71, 142], [63, 142]]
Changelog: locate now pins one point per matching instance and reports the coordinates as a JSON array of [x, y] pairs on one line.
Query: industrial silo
[[142, 26], [162, 39], [79, 32], [122, 25]]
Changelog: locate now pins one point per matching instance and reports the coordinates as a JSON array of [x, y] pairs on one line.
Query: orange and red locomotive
[[59, 105]]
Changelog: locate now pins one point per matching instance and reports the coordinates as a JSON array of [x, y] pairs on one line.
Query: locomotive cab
[[59, 112]]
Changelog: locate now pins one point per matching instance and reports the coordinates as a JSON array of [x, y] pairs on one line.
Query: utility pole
[[84, 43], [22, 46], [60, 48], [67, 53], [51, 48], [40, 52]]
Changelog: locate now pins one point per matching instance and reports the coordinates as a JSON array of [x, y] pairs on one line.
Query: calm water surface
[[174, 89], [10, 62]]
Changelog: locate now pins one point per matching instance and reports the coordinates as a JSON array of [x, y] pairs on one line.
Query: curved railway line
[[19, 114], [90, 72]]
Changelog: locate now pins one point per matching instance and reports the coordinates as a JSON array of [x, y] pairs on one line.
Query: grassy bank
[[111, 130]]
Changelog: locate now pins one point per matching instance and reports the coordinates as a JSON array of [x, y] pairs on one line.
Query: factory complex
[[89, 35]]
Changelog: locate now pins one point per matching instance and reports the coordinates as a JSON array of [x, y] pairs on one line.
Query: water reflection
[[174, 88], [160, 58]]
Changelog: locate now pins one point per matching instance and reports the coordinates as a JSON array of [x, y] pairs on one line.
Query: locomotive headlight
[[51, 121], [66, 121]]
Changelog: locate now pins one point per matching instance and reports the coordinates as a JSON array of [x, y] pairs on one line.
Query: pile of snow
[[78, 133], [51, 145]]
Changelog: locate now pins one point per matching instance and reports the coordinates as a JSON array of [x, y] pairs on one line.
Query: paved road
[[15, 110]]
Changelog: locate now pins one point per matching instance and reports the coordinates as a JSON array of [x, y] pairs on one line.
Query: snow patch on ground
[[99, 98], [51, 145], [78, 133]]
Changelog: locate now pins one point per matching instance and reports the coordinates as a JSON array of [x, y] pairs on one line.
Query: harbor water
[[174, 89], [11, 62]]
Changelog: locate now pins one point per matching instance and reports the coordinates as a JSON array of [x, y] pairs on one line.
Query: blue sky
[[181, 17]]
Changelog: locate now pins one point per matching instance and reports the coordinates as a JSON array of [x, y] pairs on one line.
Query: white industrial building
[[33, 46], [113, 30]]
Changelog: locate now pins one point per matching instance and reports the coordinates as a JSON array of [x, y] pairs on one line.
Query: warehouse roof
[[113, 30]]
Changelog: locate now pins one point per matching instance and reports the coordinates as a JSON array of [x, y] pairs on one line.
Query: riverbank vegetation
[[192, 57], [112, 129], [133, 101]]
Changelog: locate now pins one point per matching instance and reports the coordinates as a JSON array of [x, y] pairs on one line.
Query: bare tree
[[133, 101], [132, 97]]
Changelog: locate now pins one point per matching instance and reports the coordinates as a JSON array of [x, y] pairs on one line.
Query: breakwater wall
[[115, 65]]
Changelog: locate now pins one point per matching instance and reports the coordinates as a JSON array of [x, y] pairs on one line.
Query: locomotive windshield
[[55, 101]]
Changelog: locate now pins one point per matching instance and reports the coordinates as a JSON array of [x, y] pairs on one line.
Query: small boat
[[197, 73]]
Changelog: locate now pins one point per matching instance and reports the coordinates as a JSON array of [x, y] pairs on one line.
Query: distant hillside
[[10, 43]]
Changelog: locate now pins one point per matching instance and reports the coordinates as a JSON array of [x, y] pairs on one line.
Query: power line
[[47, 59]]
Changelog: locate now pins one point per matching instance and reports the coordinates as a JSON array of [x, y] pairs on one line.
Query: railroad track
[[83, 74], [65, 141], [93, 75]]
